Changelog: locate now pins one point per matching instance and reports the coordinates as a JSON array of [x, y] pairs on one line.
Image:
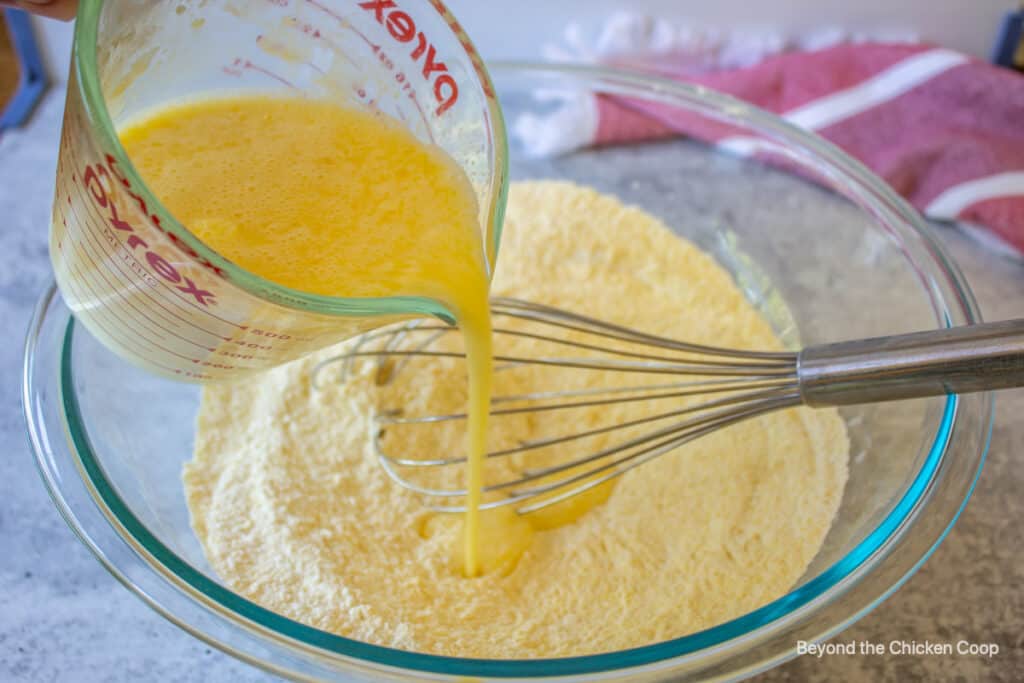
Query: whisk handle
[[947, 361]]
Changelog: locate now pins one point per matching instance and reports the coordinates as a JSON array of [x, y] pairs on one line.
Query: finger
[[56, 9]]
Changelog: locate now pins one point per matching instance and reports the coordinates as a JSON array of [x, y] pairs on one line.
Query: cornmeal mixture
[[295, 512]]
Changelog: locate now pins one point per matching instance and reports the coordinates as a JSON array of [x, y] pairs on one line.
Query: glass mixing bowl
[[840, 258]]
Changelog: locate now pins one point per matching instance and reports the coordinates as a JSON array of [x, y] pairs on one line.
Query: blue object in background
[[1009, 50], [32, 80]]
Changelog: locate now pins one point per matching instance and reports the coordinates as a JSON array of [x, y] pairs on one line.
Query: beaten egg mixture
[[295, 513]]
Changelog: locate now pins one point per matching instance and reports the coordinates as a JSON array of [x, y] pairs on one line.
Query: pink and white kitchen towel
[[944, 129]]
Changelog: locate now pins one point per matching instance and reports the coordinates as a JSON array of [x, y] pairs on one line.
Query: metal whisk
[[712, 388]]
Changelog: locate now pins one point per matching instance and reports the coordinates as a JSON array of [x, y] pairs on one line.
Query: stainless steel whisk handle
[[953, 360]]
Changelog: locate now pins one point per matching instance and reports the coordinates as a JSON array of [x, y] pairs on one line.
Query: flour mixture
[[295, 513]]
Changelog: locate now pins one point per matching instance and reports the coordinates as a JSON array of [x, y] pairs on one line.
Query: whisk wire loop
[[721, 387]]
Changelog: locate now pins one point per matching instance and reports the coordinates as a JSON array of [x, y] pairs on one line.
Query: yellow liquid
[[331, 201]]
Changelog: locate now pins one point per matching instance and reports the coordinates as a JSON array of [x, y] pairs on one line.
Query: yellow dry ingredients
[[295, 513]]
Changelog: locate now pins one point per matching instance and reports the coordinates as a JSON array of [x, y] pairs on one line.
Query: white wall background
[[509, 29]]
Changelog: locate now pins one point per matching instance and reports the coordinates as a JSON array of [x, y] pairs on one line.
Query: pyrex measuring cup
[[139, 280]]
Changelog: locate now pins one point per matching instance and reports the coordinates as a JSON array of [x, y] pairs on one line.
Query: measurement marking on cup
[[306, 29], [132, 324], [116, 292], [124, 293], [120, 251], [311, 31], [95, 189], [423, 114], [137, 324], [280, 47], [131, 285], [154, 221], [341, 20], [123, 251], [95, 318], [247, 64], [251, 345], [177, 243], [88, 250], [240, 356], [160, 265], [122, 256]]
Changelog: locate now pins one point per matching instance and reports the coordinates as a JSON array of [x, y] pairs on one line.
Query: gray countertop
[[63, 618]]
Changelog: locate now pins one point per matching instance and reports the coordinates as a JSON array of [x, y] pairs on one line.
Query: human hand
[[57, 9]]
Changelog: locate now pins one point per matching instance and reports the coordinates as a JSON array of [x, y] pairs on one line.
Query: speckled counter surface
[[63, 618]]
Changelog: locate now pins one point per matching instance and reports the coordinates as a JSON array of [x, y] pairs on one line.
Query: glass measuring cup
[[138, 279]]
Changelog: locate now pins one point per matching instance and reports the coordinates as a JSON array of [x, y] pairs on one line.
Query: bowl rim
[[724, 639]]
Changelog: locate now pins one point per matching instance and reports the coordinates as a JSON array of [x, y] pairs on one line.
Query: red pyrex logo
[[403, 29], [161, 266]]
